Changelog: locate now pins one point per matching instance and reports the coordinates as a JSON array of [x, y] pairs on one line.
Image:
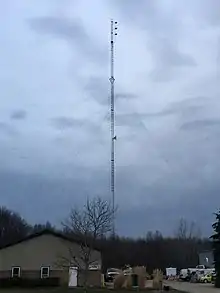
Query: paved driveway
[[193, 287]]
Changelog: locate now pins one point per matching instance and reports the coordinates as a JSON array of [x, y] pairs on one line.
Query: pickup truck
[[185, 274], [201, 269]]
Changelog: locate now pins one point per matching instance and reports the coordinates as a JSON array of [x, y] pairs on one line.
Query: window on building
[[45, 272], [16, 272]]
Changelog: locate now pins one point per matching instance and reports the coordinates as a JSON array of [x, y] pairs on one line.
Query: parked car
[[111, 274], [206, 279]]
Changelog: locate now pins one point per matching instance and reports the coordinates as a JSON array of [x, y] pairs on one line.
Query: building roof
[[46, 232]]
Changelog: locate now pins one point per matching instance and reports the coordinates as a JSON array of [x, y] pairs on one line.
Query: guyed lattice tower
[[112, 119]]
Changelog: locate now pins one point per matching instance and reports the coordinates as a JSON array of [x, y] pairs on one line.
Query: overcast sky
[[54, 109]]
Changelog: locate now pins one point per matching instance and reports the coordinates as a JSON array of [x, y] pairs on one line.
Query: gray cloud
[[18, 115], [35, 189], [168, 55], [132, 10], [32, 189], [162, 33], [185, 205], [73, 32], [131, 120], [7, 129], [183, 109], [62, 123], [60, 27], [68, 123], [200, 124], [125, 96], [168, 59], [98, 89], [208, 12]]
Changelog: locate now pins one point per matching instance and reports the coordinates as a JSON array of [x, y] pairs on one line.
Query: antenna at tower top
[[113, 136]]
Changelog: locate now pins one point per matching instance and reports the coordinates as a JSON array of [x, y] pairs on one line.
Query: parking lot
[[193, 287]]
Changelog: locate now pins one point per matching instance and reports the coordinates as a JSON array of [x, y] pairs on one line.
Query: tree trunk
[[85, 281]]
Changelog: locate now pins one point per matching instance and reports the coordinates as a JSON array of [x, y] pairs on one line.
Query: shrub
[[29, 283]]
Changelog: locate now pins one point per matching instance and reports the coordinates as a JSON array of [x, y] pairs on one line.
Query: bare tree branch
[[186, 230], [89, 224]]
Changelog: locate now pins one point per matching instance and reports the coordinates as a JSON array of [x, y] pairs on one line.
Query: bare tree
[[40, 227], [89, 224], [12, 226], [182, 229], [187, 230]]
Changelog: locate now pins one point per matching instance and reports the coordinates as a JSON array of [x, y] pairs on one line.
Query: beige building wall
[[44, 250]]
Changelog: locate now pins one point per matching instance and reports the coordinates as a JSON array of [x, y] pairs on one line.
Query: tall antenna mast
[[113, 136]]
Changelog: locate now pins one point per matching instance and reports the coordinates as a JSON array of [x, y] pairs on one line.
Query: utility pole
[[113, 136]]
